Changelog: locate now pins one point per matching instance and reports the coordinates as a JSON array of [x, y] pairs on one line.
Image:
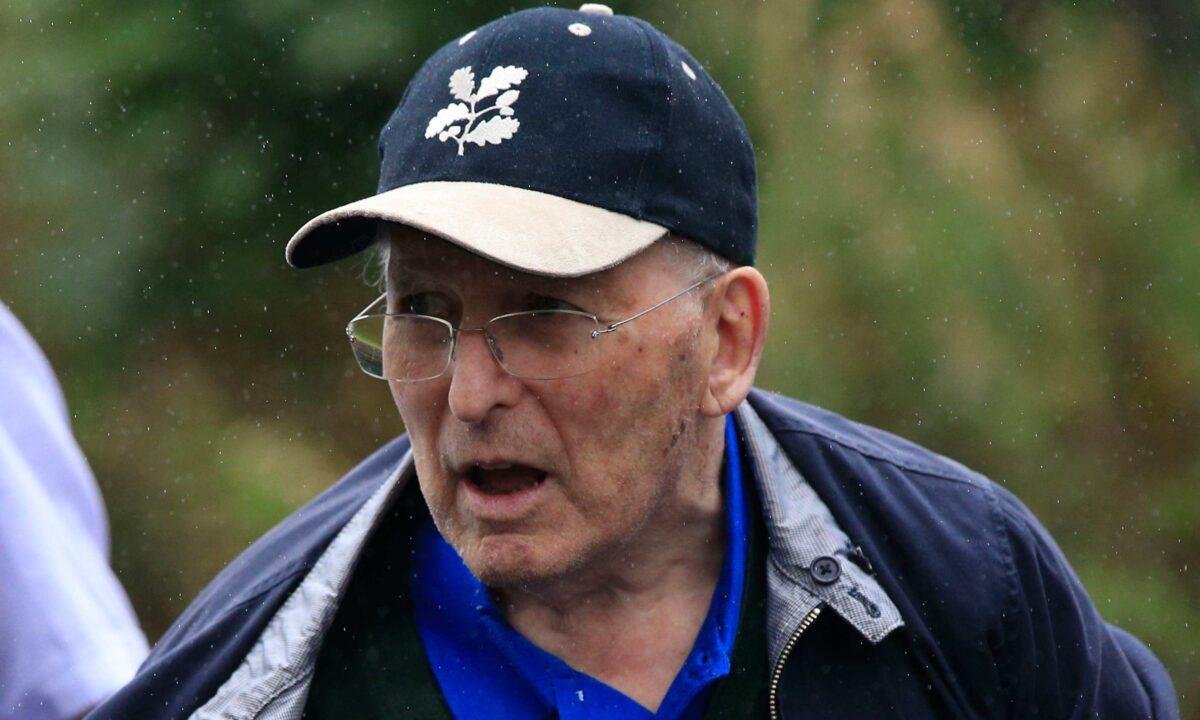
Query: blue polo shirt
[[485, 668]]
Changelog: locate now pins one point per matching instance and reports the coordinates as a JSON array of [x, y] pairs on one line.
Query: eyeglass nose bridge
[[489, 338]]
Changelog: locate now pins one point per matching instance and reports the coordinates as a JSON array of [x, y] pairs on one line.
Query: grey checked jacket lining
[[272, 682]]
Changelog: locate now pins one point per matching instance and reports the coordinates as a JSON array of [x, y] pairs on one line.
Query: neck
[[630, 618]]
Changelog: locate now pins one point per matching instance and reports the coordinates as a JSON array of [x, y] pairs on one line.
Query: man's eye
[[543, 302], [425, 303]]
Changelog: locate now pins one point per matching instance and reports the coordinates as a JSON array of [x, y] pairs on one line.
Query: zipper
[[787, 650]]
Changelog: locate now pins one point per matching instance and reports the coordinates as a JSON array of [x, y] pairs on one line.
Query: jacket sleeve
[[1063, 660]]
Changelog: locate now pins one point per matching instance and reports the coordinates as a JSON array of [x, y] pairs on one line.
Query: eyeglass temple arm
[[368, 307], [613, 326], [350, 325]]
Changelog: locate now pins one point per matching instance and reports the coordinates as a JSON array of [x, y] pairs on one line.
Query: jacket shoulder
[[787, 415], [289, 549], [931, 528], [980, 583], [212, 636]]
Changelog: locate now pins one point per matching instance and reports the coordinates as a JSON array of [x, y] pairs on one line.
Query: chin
[[501, 561]]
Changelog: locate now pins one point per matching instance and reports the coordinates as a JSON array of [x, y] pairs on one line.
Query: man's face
[[531, 480]]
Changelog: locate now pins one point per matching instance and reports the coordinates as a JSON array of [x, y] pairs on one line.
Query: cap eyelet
[[687, 70], [580, 29], [463, 40], [595, 9]]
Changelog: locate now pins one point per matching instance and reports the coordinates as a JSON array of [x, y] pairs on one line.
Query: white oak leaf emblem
[[476, 129], [462, 83], [493, 131], [448, 115], [501, 78]]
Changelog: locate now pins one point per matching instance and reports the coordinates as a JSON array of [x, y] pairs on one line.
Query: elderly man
[[593, 514]]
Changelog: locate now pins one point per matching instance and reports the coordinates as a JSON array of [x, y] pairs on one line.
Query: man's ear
[[740, 307]]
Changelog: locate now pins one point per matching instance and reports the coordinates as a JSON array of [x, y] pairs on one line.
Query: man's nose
[[477, 381]]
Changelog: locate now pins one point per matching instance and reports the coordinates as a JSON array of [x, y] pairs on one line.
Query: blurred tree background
[[979, 221]]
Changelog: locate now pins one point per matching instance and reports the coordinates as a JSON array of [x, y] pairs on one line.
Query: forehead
[[415, 256]]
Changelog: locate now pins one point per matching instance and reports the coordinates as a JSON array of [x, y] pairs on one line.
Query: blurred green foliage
[[979, 222]]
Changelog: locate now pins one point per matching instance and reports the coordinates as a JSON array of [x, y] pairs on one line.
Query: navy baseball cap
[[558, 142]]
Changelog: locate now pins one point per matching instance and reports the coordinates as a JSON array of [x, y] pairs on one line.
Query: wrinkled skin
[[627, 526], [613, 442]]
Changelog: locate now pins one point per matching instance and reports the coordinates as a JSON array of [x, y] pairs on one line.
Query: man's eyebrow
[[556, 284], [408, 275]]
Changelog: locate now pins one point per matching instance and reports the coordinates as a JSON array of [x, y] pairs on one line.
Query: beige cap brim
[[525, 229]]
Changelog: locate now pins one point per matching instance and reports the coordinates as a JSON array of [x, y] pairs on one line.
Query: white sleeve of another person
[[68, 635]]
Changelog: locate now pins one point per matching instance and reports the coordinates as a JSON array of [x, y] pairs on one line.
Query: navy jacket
[[995, 622]]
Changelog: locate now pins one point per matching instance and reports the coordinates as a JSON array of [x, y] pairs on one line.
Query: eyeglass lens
[[534, 345]]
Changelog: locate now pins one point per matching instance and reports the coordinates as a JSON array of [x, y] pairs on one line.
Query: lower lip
[[506, 506]]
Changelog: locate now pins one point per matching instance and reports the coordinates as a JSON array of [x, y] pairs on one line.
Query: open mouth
[[504, 479]]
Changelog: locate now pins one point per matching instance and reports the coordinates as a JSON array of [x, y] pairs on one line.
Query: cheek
[[419, 410], [612, 429], [598, 401], [420, 405], [624, 382]]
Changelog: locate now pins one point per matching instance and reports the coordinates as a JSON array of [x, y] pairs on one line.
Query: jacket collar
[[809, 557]]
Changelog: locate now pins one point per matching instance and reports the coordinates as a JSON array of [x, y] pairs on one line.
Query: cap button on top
[[595, 9]]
